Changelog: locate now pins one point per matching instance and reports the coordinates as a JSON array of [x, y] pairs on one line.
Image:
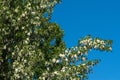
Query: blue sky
[[99, 18]]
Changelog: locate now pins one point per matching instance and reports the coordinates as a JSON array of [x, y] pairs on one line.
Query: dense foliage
[[31, 47]]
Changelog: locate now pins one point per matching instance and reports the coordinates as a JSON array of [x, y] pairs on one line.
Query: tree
[[31, 46]]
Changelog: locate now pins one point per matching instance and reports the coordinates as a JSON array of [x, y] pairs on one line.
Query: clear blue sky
[[100, 18]]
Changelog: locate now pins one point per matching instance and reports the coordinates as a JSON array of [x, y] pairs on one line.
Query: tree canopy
[[32, 48]]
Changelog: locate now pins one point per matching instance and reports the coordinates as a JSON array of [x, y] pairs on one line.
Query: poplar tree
[[32, 48]]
